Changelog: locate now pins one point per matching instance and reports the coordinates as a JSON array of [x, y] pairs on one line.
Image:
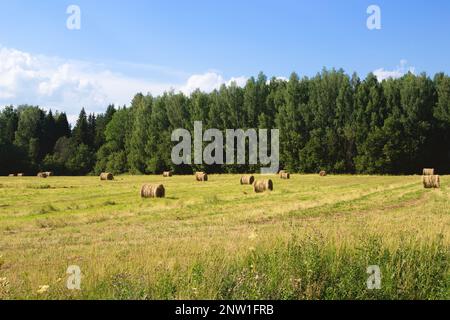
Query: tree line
[[332, 121]]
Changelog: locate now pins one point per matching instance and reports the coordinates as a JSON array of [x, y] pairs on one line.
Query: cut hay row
[[249, 180], [153, 191], [106, 176], [431, 181], [201, 176], [263, 186]]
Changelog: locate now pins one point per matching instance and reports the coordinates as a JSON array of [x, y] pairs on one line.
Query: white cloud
[[239, 81], [210, 81], [64, 84], [398, 72], [69, 85]]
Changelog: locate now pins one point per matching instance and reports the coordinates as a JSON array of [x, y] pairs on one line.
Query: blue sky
[[129, 46]]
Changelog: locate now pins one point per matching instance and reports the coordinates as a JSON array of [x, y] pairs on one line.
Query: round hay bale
[[153, 191], [12, 175], [104, 176], [49, 173], [323, 173], [167, 174], [285, 175], [281, 172], [247, 180], [20, 174], [201, 176], [430, 182], [42, 175], [428, 172], [263, 186]]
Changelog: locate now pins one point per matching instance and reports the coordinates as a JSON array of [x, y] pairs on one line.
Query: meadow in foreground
[[311, 238]]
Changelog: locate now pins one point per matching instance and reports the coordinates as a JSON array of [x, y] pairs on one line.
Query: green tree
[[81, 130], [141, 108]]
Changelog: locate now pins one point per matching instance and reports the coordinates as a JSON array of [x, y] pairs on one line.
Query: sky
[[125, 47]]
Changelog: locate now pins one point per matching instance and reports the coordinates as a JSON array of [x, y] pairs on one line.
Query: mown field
[[311, 238]]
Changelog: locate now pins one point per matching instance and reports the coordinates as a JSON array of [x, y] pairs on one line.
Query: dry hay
[[323, 173], [282, 172], [42, 175], [106, 176], [153, 191], [201, 176], [432, 181], [167, 174], [428, 172], [263, 185], [285, 175], [247, 180]]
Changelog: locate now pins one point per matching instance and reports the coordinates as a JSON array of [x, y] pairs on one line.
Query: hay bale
[[281, 172], [20, 174], [12, 175], [428, 172], [42, 175], [153, 191], [323, 173], [198, 174], [247, 180], [201, 176], [432, 181], [263, 186], [285, 175], [49, 173], [167, 174], [104, 176]]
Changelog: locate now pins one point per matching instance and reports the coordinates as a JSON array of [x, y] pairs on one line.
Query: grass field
[[311, 238]]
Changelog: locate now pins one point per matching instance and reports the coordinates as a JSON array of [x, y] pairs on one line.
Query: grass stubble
[[311, 238]]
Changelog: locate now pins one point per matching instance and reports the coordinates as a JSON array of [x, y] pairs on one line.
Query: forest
[[333, 121]]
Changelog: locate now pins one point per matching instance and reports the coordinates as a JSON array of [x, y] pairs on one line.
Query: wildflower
[[43, 289]]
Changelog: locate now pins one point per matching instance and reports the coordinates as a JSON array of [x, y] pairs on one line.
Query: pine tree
[[62, 126], [81, 131]]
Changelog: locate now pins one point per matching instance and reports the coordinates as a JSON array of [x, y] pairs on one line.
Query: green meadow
[[311, 238]]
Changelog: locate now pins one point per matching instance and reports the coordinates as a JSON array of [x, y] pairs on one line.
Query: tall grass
[[310, 268]]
